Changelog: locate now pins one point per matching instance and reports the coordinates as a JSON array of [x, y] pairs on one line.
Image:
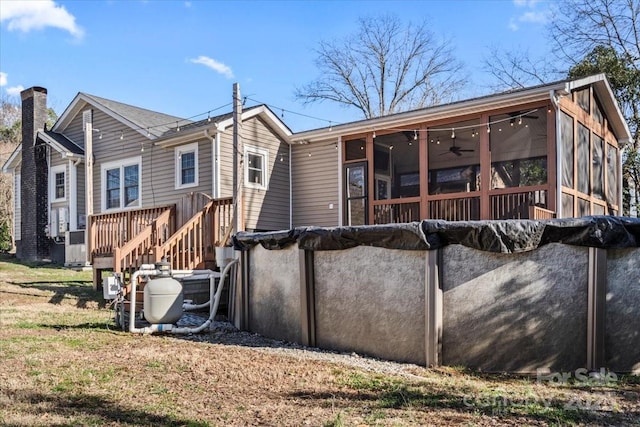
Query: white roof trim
[[13, 160], [59, 148], [204, 131], [429, 114], [281, 129], [609, 103], [76, 106], [476, 105]]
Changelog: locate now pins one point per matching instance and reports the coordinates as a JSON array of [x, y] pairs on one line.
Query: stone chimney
[[34, 244]]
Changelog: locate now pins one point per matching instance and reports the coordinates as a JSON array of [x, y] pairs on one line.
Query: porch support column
[[433, 308], [596, 306], [423, 153], [485, 169], [370, 149]]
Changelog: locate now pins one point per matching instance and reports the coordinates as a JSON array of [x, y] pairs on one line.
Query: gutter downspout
[[340, 183], [214, 162], [290, 192], [556, 103]]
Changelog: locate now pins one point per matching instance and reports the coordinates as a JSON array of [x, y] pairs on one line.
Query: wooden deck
[[185, 234]]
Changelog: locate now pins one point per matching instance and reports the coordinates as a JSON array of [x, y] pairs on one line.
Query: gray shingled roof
[[65, 142], [157, 123], [205, 122]]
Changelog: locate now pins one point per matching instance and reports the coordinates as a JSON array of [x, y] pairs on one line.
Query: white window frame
[[55, 170], [178, 152], [120, 164], [248, 149]]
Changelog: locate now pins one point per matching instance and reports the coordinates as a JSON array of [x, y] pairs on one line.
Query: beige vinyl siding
[[110, 149], [159, 174], [315, 185], [264, 209], [74, 130]]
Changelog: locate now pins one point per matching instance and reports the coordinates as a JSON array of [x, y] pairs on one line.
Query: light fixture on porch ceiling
[[453, 133]]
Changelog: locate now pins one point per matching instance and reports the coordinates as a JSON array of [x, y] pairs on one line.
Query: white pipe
[[150, 270], [187, 306], [214, 309]]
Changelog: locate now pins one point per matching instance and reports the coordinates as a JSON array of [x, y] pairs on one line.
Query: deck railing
[[454, 207], [398, 211], [514, 204], [536, 212], [137, 251], [108, 231], [133, 238]]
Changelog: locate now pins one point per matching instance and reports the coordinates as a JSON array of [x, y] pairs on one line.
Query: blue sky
[[182, 57]]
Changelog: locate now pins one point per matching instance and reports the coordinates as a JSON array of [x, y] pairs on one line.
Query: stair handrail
[[143, 242], [187, 262]]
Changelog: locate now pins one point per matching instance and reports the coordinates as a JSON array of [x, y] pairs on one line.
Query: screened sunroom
[[543, 152]]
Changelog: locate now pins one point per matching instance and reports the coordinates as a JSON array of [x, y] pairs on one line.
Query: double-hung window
[[256, 161], [58, 183], [186, 166], [121, 184]]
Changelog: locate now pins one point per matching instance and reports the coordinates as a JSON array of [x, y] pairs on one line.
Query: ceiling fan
[[455, 149]]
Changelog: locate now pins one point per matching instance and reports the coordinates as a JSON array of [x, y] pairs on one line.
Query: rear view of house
[[114, 185]]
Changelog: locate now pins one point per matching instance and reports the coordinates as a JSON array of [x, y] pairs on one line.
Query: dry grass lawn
[[64, 364]]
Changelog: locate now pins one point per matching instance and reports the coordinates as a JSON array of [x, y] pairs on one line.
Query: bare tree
[[386, 67], [517, 69], [587, 37], [10, 127]]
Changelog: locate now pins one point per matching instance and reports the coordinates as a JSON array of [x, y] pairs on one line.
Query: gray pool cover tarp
[[502, 236]]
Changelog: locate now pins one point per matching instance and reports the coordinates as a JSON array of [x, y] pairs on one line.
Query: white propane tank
[[163, 297]]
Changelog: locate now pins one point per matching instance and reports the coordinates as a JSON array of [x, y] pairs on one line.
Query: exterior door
[[356, 201]]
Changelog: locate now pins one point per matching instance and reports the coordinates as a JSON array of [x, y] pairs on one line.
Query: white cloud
[[525, 3], [535, 17], [38, 14], [216, 66], [3, 79], [15, 90], [531, 15]]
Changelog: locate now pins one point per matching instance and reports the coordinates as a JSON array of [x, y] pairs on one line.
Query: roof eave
[[609, 104], [13, 160], [432, 113]]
